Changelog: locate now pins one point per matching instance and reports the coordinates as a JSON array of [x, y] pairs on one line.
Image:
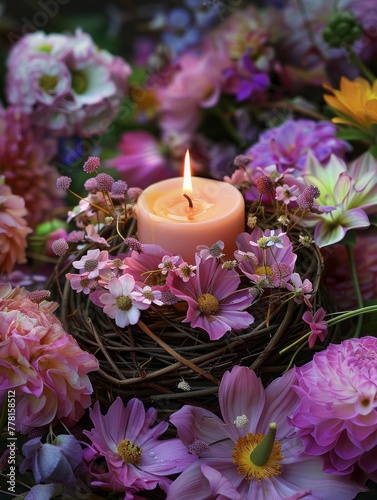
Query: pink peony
[[41, 362], [13, 228], [25, 154], [337, 413]]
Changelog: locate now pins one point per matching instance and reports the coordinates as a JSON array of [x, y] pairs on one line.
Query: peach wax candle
[[179, 216]]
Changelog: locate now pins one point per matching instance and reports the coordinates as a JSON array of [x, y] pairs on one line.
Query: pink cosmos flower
[[13, 229], [120, 303], [225, 446], [136, 460], [41, 362], [214, 303], [337, 411], [92, 262], [317, 325], [266, 258]]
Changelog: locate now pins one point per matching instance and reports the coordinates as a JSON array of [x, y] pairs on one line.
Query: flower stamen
[[129, 452]]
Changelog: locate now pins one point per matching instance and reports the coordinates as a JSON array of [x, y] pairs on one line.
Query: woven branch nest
[[150, 359]]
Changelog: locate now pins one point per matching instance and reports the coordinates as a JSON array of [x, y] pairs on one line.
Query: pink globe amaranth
[[337, 413], [41, 362], [13, 229]]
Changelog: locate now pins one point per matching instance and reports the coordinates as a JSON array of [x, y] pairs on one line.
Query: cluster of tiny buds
[[251, 221], [229, 264], [305, 240], [184, 386], [241, 421], [241, 161], [108, 220], [284, 220], [134, 244], [104, 182]]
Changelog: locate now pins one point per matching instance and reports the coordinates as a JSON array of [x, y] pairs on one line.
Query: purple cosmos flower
[[225, 446], [266, 258], [52, 462], [214, 303], [337, 412], [120, 303], [317, 325], [136, 459], [287, 145]]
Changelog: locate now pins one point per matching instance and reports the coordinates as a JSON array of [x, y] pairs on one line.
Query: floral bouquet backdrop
[[247, 367]]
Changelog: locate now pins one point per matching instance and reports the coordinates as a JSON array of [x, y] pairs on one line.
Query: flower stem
[[356, 287], [355, 59]]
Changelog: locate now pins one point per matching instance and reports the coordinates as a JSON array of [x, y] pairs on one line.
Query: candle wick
[[189, 200]]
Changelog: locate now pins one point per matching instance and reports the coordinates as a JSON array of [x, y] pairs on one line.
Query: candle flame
[[187, 184]]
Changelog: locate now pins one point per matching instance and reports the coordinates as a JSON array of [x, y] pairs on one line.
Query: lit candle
[[179, 216]]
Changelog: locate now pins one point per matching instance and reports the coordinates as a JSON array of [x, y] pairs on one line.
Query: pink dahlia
[[336, 416], [41, 362], [214, 302], [25, 154], [13, 229], [136, 460], [232, 460], [65, 83]]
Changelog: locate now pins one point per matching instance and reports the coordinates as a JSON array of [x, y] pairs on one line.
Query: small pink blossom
[[92, 262], [287, 193], [214, 251], [169, 263], [185, 271], [120, 303], [301, 289], [81, 282], [317, 325]]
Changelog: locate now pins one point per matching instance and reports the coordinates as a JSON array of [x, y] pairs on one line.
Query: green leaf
[[373, 150], [354, 134]]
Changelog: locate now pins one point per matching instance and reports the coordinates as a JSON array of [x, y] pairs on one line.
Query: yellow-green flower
[[355, 103]]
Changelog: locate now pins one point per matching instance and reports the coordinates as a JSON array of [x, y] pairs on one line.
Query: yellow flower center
[[208, 304], [48, 82], [129, 452], [264, 271], [241, 457], [123, 302], [79, 82]]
